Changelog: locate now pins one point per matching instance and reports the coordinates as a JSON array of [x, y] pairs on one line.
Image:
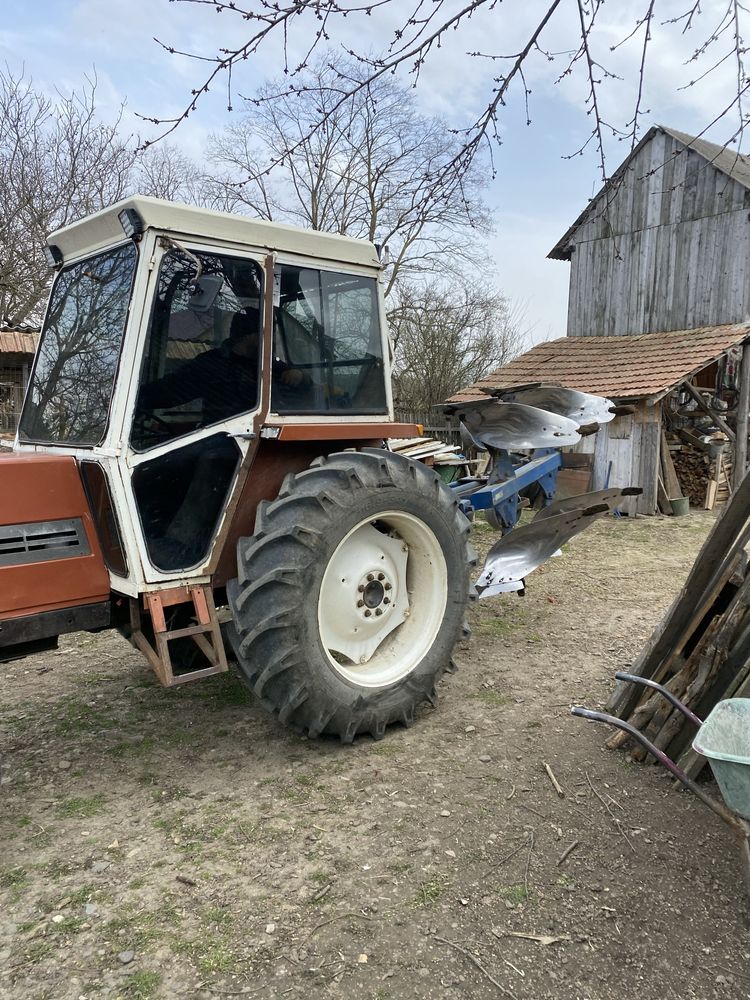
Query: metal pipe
[[634, 679]]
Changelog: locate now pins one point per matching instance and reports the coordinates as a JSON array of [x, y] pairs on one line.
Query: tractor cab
[[176, 342]]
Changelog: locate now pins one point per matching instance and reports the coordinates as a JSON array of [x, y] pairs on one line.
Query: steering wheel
[[146, 433]]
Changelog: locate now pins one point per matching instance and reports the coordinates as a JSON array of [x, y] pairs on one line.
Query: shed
[[17, 347], [643, 372]]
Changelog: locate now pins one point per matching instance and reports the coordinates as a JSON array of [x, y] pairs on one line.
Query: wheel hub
[[359, 609], [382, 599]]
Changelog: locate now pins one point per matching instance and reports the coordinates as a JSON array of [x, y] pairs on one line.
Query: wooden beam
[[719, 421], [740, 447], [669, 473], [726, 539]]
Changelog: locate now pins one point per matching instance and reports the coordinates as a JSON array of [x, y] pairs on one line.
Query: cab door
[[197, 390]]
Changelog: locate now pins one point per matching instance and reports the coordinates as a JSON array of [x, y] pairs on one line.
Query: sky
[[541, 185]]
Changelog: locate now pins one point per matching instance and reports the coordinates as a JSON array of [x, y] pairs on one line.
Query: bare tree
[[166, 171], [58, 162], [418, 30], [446, 337], [368, 171]]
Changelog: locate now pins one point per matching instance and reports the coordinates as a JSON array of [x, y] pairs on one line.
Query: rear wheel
[[351, 594]]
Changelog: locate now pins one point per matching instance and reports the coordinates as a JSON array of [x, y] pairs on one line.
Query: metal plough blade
[[612, 498], [525, 549], [509, 426], [581, 407]]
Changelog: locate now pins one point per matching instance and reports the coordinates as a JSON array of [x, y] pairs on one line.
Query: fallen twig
[[553, 779], [321, 892], [476, 962], [544, 939], [339, 916], [567, 852], [534, 811], [501, 862], [245, 991], [528, 863], [612, 816]]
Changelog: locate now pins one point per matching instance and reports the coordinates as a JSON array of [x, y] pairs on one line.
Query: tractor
[[201, 463]]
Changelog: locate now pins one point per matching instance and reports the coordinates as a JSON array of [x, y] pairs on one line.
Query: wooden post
[[740, 444]]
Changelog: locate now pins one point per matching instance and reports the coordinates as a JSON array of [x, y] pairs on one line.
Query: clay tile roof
[[22, 341], [621, 367]]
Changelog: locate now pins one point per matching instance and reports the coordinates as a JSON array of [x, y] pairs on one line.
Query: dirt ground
[[182, 844]]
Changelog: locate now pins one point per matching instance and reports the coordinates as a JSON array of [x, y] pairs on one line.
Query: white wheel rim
[[392, 566]]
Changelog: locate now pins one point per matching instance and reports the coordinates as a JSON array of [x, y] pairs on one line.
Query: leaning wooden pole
[[740, 445], [725, 541]]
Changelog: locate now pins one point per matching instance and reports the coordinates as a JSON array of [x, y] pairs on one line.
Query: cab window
[[327, 352]]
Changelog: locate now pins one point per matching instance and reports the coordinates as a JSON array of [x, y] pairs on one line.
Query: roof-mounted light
[[131, 222], [54, 256]]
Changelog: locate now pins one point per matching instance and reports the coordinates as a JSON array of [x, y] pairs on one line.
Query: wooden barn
[[17, 347], [659, 319]]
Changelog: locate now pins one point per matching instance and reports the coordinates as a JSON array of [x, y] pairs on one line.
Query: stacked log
[[700, 651], [693, 469]]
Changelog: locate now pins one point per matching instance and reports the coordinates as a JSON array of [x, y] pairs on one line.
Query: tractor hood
[[51, 564]]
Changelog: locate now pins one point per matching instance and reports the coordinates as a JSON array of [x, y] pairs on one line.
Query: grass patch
[[499, 628], [75, 898], [81, 808], [219, 915], [79, 717], [210, 955], [142, 985], [70, 925], [432, 890], [14, 878], [492, 698], [36, 950], [386, 749], [134, 748], [515, 893]]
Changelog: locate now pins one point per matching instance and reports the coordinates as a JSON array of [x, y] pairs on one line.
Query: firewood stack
[[693, 470], [700, 650]]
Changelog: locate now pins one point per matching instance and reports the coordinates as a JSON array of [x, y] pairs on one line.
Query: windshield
[[200, 365], [71, 387]]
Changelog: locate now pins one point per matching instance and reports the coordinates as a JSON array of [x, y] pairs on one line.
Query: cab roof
[[103, 229]]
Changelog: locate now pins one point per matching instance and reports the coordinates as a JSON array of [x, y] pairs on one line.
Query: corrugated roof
[[728, 161], [621, 367], [18, 341]]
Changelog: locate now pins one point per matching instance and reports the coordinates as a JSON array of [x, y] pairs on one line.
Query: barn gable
[[665, 245]]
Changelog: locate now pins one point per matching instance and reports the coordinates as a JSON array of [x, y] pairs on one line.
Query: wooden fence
[[434, 423]]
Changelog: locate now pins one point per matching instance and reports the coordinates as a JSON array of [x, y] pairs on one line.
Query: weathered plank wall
[[626, 453], [667, 249]]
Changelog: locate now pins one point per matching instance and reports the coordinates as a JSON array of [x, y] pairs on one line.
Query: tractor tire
[[351, 594]]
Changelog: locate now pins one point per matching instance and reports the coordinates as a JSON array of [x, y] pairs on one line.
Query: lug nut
[[368, 613], [386, 600], [370, 576], [378, 611], [381, 576], [360, 604], [388, 586], [361, 587]]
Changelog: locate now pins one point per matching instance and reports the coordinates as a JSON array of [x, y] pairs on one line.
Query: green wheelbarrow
[[724, 740]]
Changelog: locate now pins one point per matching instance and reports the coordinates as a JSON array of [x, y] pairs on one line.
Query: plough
[[522, 429]]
